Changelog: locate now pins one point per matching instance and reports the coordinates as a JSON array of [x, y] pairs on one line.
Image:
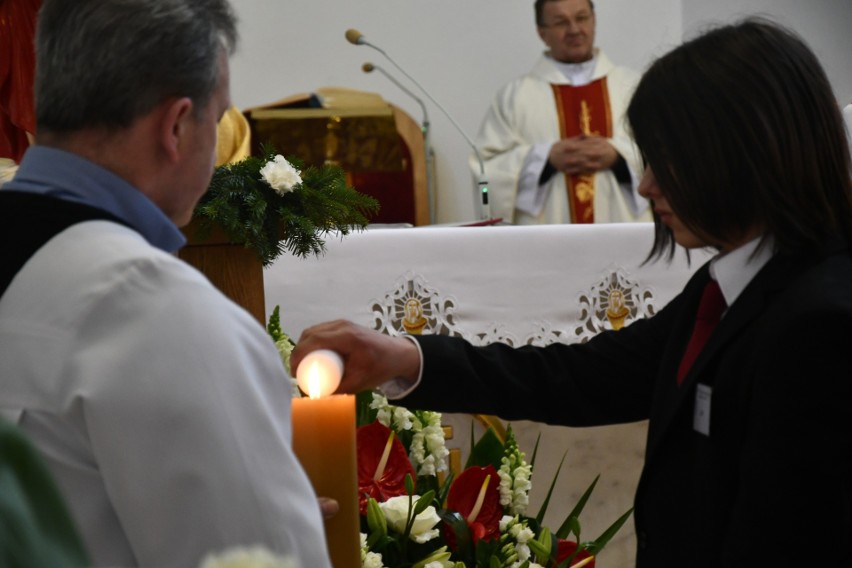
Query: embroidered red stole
[[583, 110]]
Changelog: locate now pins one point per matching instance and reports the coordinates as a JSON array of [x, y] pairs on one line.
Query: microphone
[[357, 38], [369, 68]]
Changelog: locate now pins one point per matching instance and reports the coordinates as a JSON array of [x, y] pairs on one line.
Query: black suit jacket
[[771, 485]]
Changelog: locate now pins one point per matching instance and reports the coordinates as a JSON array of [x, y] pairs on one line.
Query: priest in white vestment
[[554, 143]]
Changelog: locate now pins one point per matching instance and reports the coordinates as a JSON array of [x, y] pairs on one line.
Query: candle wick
[[380, 470]]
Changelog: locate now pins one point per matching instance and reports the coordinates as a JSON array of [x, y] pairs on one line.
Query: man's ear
[[174, 126]]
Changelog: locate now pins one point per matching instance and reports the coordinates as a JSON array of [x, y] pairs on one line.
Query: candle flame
[[319, 373], [315, 381]]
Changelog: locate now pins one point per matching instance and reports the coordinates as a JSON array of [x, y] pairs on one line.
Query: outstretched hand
[[369, 357]]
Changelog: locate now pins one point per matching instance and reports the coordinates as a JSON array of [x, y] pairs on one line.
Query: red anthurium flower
[[382, 467], [475, 495], [566, 548]]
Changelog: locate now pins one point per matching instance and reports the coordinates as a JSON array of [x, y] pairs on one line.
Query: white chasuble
[[523, 114]]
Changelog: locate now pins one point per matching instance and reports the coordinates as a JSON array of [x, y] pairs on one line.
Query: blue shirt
[[64, 175]]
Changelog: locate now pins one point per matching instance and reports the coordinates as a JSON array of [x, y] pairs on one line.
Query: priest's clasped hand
[[585, 154]]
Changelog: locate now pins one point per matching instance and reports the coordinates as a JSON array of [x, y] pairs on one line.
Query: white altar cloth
[[517, 284]]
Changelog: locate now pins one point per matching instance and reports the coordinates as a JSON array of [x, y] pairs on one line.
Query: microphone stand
[[425, 129], [357, 38]]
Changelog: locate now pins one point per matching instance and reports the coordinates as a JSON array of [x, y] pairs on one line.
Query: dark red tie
[[709, 313]]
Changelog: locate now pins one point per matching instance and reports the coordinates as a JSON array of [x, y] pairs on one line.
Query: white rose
[[280, 174], [396, 512]]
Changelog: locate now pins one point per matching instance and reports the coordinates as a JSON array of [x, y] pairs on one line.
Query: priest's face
[[568, 30]]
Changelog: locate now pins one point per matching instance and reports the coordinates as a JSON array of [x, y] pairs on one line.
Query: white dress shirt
[[160, 406]]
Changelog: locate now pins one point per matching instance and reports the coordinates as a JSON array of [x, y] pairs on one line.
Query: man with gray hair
[[161, 408]]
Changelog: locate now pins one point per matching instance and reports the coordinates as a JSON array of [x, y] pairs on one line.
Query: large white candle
[[324, 441]]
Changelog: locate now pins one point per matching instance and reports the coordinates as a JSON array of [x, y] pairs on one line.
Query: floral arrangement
[[273, 205], [478, 519], [417, 514]]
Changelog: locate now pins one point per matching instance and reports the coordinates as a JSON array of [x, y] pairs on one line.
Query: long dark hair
[[741, 128]]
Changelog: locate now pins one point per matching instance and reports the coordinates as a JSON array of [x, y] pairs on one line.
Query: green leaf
[[376, 520], [423, 503], [569, 525], [600, 542], [36, 529], [540, 517], [456, 523], [575, 513], [487, 451], [365, 414], [540, 549], [535, 451], [441, 497]]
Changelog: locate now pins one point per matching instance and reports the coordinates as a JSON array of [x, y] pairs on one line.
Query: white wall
[[826, 25], [463, 50]]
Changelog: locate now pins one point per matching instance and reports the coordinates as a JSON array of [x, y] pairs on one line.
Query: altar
[[514, 284]]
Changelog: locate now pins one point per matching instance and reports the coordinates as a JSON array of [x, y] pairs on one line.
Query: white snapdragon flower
[[249, 557], [384, 411], [280, 174], [369, 559], [396, 510], [515, 474], [523, 552], [403, 419], [285, 349], [429, 452], [519, 534], [522, 533]]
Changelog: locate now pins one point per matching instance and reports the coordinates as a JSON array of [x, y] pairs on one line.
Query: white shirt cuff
[[399, 387]]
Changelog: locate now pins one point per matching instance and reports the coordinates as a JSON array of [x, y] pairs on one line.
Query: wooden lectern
[[379, 145]]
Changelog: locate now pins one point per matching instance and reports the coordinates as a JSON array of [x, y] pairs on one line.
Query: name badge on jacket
[[701, 418]]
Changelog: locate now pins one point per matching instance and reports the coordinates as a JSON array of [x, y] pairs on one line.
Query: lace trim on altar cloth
[[612, 301]]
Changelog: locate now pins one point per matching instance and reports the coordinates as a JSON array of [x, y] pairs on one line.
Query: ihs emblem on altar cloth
[[415, 308], [611, 303]]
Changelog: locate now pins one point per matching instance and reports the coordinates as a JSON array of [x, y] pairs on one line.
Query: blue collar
[[64, 175]]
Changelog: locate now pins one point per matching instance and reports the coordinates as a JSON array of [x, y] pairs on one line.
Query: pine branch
[[251, 212]]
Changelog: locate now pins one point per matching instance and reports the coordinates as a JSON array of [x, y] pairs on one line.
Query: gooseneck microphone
[[369, 68], [357, 38]]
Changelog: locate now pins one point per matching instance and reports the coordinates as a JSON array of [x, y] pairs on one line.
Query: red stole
[[583, 111]]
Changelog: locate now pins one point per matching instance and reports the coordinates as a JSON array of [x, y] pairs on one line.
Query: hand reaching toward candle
[[370, 358]]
